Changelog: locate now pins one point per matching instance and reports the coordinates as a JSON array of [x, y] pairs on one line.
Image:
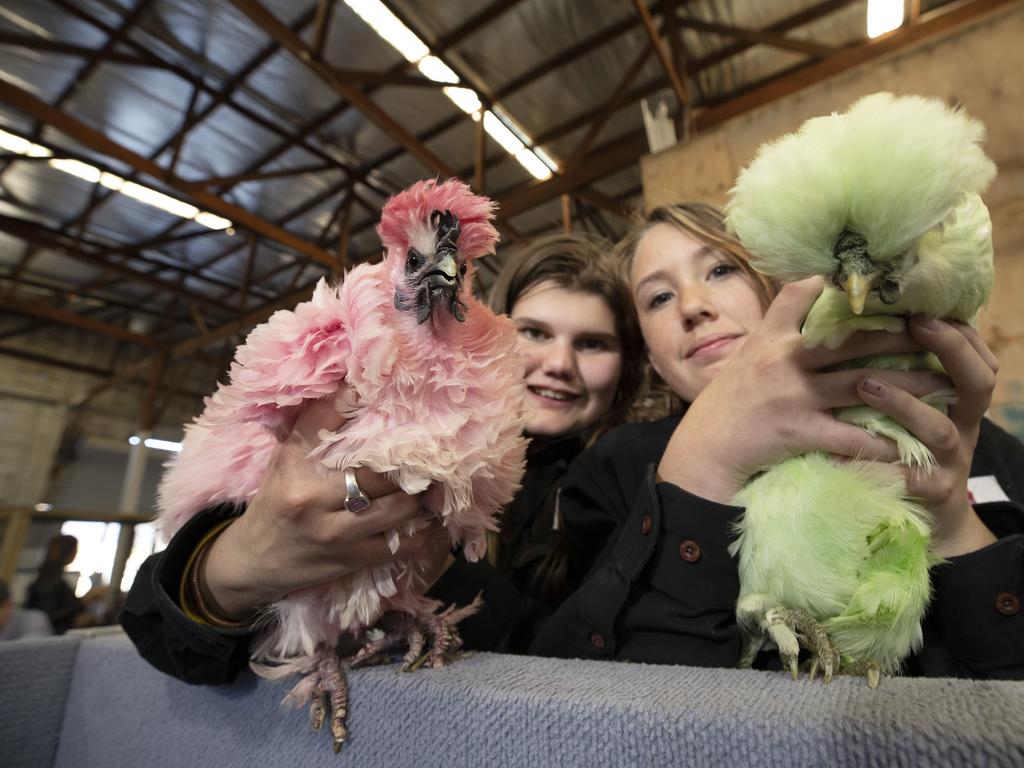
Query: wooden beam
[[607, 110], [676, 49], [567, 213], [599, 200], [21, 99], [53, 46], [937, 22], [243, 294], [75, 514], [43, 237], [611, 158], [182, 133], [114, 37], [90, 370], [324, 10], [479, 156], [369, 77], [269, 23], [15, 533], [191, 345], [249, 319], [75, 320], [262, 175], [63, 292], [345, 235], [474, 23], [626, 150], [758, 37], [298, 274], [824, 8], [678, 86], [148, 397]]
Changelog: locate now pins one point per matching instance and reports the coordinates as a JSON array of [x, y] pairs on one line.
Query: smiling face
[[574, 358], [696, 307]]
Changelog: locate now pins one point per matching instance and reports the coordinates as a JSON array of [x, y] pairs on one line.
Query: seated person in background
[[584, 366], [20, 623], [51, 594]]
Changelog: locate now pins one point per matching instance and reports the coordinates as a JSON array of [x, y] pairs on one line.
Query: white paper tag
[[981, 490]]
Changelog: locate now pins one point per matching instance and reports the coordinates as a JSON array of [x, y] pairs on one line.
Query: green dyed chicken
[[883, 201]]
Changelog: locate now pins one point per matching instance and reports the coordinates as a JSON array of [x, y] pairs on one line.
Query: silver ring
[[355, 500]]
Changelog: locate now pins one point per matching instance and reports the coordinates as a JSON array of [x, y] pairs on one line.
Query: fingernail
[[930, 323], [875, 386]]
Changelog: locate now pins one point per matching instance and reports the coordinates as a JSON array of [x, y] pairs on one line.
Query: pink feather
[[436, 406]]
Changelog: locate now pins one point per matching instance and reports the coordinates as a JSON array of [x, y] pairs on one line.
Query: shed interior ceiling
[[296, 120]]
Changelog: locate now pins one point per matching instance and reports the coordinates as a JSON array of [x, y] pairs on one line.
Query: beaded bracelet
[[194, 592]]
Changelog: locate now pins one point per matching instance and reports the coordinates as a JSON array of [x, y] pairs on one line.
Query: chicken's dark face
[[859, 275], [434, 271]]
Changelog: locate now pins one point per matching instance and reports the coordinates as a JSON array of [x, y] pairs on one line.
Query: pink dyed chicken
[[435, 387]]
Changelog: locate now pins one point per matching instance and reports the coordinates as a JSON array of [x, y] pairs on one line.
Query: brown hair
[[579, 262], [59, 552], [704, 223]]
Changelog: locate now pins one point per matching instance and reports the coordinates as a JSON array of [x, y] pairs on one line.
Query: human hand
[[773, 401], [951, 438], [296, 531]]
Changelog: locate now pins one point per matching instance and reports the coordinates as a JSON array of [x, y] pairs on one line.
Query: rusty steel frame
[[586, 165]]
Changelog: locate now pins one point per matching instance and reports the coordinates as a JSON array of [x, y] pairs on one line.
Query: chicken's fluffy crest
[[404, 213], [889, 168]]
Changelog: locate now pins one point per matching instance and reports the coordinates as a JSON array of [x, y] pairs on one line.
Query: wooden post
[[346, 232], [14, 539], [567, 212], [480, 155], [666, 62]]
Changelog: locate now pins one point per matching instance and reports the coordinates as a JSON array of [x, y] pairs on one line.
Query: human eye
[[532, 333], [658, 299], [593, 345], [722, 269]]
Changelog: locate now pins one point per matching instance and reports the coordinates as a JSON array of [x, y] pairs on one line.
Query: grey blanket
[[493, 710]]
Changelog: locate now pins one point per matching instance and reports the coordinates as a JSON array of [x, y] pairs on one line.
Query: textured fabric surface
[[34, 680], [493, 710], [505, 710]]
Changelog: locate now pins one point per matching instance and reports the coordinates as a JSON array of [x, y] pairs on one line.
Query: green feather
[[841, 540]]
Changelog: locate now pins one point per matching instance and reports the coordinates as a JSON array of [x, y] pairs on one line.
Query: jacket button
[[1008, 604], [597, 640], [689, 550], [646, 524]]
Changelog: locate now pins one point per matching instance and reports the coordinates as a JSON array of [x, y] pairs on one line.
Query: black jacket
[[663, 588], [649, 575], [517, 598], [51, 594]]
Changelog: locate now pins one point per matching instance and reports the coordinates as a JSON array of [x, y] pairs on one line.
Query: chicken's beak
[[448, 267], [857, 287]]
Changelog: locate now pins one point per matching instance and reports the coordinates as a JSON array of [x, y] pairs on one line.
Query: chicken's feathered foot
[[323, 686], [329, 693], [396, 629], [332, 678], [868, 668], [790, 629]]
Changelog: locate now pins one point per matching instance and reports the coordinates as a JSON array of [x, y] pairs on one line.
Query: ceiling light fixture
[[884, 16], [90, 173], [156, 445], [502, 128]]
